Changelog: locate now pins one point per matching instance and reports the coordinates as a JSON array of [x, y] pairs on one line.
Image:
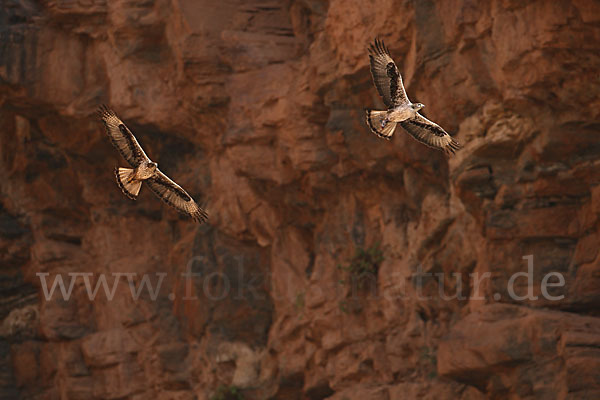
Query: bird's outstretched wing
[[174, 195], [122, 138], [430, 133], [386, 76]]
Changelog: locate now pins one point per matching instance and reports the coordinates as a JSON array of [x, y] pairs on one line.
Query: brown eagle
[[145, 170], [388, 82]]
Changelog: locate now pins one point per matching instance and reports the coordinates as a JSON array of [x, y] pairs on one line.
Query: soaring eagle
[[400, 110], [145, 170]]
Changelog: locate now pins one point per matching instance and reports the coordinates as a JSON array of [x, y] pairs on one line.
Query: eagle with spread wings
[[388, 81], [145, 170]]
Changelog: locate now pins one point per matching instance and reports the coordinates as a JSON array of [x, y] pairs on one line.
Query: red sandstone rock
[[256, 108]]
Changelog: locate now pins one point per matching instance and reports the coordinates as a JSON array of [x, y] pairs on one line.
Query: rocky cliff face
[[335, 265]]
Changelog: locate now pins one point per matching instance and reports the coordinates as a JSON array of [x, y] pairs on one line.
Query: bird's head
[[417, 106]]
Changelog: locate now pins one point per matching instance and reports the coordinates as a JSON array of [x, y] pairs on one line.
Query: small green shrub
[[343, 306], [429, 359], [299, 304], [364, 264], [227, 393]]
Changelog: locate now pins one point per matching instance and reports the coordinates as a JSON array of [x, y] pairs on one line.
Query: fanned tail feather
[[129, 186], [374, 121]]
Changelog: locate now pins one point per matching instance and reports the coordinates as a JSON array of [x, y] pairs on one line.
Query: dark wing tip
[[104, 112], [372, 50], [448, 151], [200, 216], [378, 48], [455, 145], [378, 52], [381, 47], [452, 147]]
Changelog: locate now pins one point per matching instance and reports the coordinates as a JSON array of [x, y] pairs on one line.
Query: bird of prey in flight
[[145, 170], [400, 110]]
